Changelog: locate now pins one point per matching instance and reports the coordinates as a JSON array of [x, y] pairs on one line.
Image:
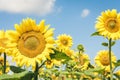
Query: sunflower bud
[[80, 47]]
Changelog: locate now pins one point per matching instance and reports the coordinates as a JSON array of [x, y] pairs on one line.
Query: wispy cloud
[[38, 7], [85, 13]]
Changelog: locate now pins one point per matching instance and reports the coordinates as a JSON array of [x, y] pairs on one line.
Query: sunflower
[[1, 65], [32, 42], [108, 24], [49, 63], [102, 59], [70, 53], [82, 61], [3, 43], [64, 41]]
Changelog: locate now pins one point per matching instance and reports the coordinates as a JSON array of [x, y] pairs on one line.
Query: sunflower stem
[[36, 72], [111, 74], [4, 70], [41, 64]]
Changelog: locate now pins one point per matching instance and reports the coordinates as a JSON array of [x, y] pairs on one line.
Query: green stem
[[41, 64], [79, 56], [4, 70], [37, 69], [36, 72], [111, 74]]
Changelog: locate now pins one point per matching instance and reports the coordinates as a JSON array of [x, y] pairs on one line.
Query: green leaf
[[113, 43], [26, 75], [90, 72], [90, 65], [95, 34], [105, 44], [117, 63], [59, 55], [16, 69], [117, 76], [97, 69]]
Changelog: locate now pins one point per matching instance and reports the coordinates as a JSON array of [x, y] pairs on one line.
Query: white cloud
[[39, 7], [85, 13]]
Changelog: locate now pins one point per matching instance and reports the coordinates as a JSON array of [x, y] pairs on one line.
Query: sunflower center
[[49, 62], [31, 44], [111, 25], [104, 60], [64, 42]]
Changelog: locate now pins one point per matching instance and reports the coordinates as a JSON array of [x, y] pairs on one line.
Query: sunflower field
[[40, 56]]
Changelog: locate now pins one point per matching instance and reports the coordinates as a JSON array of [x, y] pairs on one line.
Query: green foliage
[[26, 75], [105, 44], [90, 72], [112, 43], [95, 34], [90, 65], [59, 55], [16, 69], [117, 76], [117, 63]]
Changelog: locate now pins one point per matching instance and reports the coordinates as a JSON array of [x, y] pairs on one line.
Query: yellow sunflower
[[70, 53], [82, 60], [102, 59], [64, 41], [49, 64], [108, 24], [1, 65], [32, 42], [3, 43]]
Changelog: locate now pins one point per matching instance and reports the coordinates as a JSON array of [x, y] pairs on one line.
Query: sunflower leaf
[[90, 72], [105, 44], [117, 63], [16, 69], [26, 75], [117, 76], [95, 34], [59, 55], [113, 43]]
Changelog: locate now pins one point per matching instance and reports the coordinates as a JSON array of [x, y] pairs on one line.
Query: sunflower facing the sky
[[64, 41], [32, 42], [108, 24], [102, 59]]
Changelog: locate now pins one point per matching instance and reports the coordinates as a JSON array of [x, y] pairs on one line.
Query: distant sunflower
[[102, 59], [32, 42], [64, 41], [3, 43], [49, 63], [82, 60], [108, 24]]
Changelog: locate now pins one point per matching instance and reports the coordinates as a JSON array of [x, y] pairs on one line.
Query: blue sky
[[74, 17]]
